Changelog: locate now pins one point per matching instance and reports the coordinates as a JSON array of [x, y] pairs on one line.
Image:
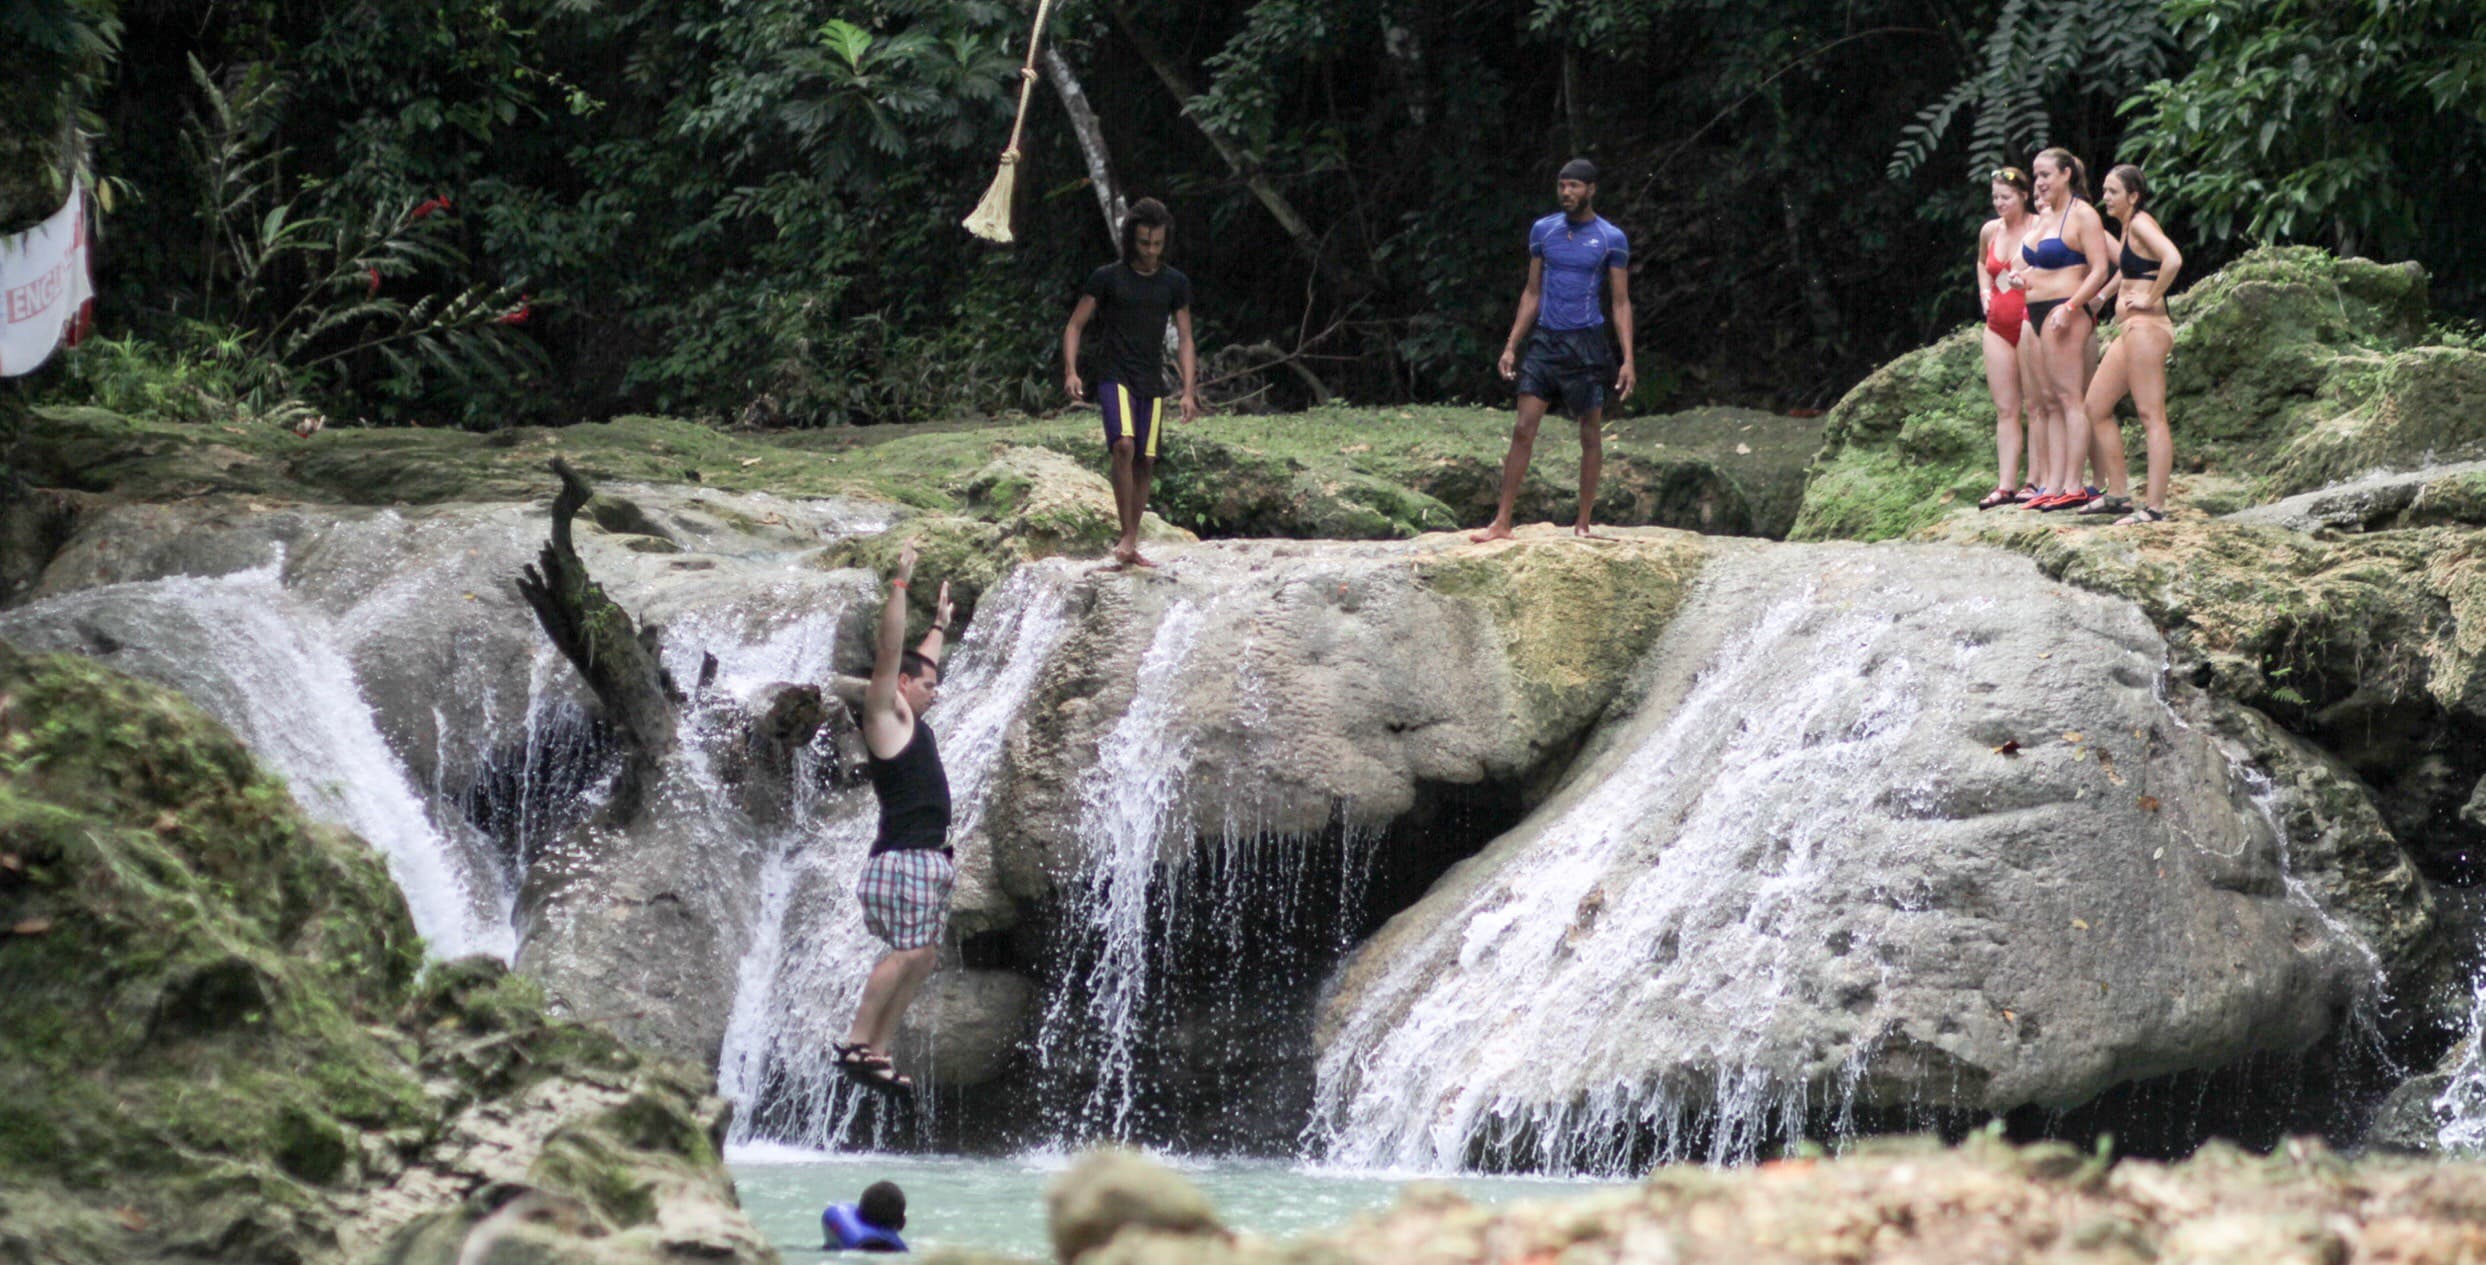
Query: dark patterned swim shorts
[[906, 896]]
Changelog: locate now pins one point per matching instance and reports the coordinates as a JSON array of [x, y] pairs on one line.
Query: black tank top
[[914, 796]]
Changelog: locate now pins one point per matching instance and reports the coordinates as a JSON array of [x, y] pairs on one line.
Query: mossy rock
[[2374, 645], [1333, 473], [193, 964], [2291, 369], [214, 1036], [1575, 620]]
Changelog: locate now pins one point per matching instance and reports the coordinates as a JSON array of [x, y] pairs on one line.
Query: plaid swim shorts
[[906, 896]]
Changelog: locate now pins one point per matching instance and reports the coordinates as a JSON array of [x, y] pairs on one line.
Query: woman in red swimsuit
[[2006, 311]]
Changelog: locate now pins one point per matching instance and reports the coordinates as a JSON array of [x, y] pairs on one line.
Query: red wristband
[[897, 584]]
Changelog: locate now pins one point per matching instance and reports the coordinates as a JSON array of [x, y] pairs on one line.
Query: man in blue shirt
[[1569, 255]]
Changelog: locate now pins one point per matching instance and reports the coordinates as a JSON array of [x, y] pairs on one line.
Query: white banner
[[46, 299]]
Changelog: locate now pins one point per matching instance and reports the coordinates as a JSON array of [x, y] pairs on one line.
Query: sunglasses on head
[[2012, 174]]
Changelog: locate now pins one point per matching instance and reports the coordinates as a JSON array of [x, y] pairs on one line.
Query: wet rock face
[[1887, 826], [1311, 688]]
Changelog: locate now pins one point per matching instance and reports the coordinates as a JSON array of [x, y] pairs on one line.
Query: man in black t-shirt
[[1132, 300]]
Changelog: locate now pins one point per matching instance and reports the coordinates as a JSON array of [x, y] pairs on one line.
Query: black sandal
[[1999, 496], [2106, 505], [871, 1070], [2142, 515]]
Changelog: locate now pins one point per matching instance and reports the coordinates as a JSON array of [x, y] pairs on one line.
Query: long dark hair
[[2134, 183], [1147, 211], [2080, 174]]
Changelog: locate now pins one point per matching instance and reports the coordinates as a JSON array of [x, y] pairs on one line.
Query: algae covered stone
[[214, 1042]]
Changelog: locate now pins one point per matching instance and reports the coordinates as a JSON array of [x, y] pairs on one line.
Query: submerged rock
[[214, 1044], [1889, 828]]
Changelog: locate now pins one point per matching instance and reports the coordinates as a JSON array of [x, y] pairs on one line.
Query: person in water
[[906, 883], [2062, 266], [1572, 254], [1133, 299], [2137, 363], [869, 1224], [2006, 311]]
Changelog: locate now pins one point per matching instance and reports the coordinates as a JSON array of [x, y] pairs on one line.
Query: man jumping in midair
[[1568, 358], [1133, 298], [906, 884]]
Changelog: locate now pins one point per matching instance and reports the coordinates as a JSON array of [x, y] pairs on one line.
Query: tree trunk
[[1091, 134], [1180, 85], [616, 656]]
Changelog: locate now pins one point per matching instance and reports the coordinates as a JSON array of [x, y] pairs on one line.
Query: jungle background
[[486, 213]]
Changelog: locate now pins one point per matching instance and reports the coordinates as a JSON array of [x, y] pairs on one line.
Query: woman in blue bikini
[[2063, 266]]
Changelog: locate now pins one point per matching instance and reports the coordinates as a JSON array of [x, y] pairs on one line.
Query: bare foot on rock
[[1490, 531]]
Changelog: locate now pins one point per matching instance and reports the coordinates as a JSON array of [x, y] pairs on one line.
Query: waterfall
[[2461, 1105], [1129, 803], [800, 980], [1430, 1068], [270, 669]]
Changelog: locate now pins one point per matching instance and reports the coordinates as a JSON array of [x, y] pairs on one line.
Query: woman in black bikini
[[2063, 264], [2137, 363], [2006, 312]]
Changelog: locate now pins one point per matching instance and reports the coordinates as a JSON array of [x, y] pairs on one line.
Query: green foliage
[[307, 293], [2036, 55], [2347, 124]]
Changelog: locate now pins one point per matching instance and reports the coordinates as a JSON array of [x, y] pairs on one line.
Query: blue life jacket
[[843, 1229]]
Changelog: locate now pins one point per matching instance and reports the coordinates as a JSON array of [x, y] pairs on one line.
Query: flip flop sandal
[[2106, 505], [871, 1071], [1999, 496], [2142, 515]]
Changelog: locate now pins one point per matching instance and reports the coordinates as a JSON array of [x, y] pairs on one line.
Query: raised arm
[[1079, 317], [937, 636], [880, 698], [1618, 283], [1529, 298]]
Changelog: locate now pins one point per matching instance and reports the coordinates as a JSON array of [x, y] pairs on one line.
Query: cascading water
[[799, 982], [1870, 845], [1432, 1071], [268, 667], [2461, 1105], [1178, 1010], [1130, 801]]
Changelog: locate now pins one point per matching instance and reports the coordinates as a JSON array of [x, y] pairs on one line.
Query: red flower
[[374, 274], [437, 202], [526, 308]]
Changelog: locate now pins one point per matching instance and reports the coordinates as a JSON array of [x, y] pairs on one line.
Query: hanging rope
[[991, 218]]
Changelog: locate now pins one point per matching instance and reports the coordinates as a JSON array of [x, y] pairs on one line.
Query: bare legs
[[886, 994], [2135, 365], [1132, 476], [2063, 364], [2039, 404], [2002, 378], [1515, 467]]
